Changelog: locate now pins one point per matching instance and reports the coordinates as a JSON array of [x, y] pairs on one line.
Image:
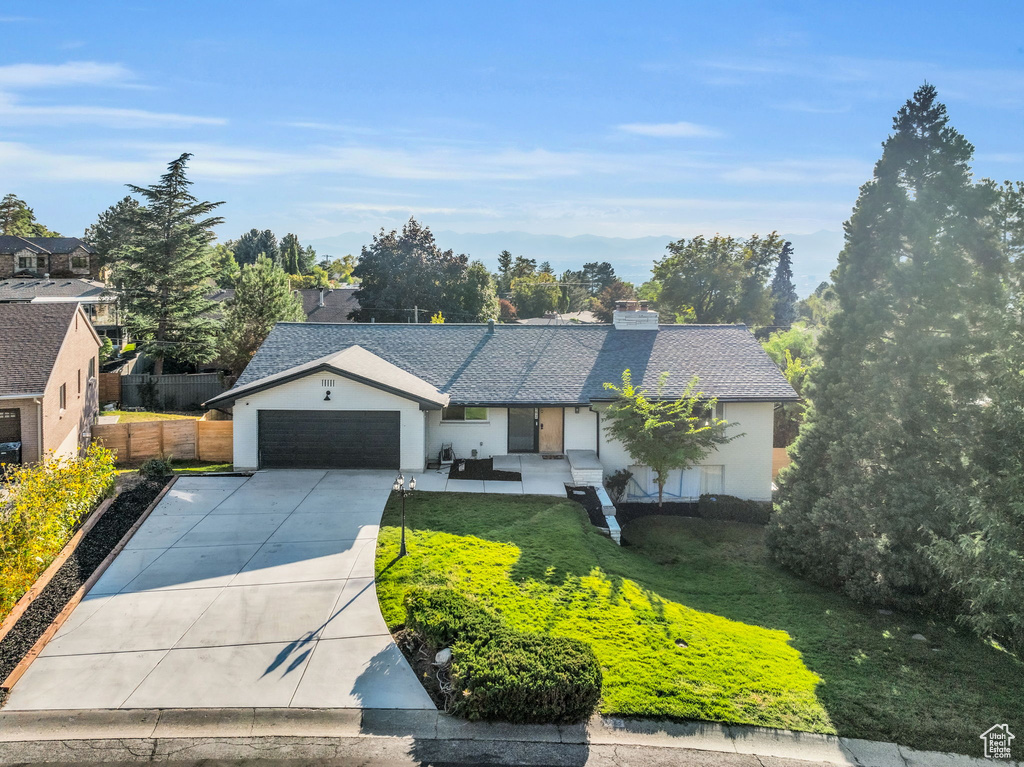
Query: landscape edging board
[[41, 582], [72, 603]]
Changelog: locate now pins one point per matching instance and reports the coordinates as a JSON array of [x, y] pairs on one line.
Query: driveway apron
[[236, 592]]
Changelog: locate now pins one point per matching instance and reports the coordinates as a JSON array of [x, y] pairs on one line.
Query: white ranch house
[[388, 396]]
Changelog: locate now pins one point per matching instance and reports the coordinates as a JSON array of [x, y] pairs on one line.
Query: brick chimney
[[634, 315]]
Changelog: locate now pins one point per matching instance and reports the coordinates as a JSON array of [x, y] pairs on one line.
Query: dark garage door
[[329, 439]]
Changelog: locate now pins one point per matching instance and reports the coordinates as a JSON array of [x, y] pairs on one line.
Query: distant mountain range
[[814, 255]]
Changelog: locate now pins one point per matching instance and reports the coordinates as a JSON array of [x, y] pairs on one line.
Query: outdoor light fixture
[[399, 487], [327, 396]]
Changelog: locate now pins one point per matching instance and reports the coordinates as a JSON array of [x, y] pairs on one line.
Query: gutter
[[39, 428], [26, 395]]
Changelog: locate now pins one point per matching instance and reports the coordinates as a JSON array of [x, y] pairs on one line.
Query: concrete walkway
[[540, 476], [236, 592], [402, 737]]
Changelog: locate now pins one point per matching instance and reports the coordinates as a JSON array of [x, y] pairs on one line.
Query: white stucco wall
[[580, 429], [308, 394], [746, 461], [489, 438]]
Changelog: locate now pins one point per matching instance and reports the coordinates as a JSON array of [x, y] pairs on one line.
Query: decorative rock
[[919, 637], [443, 657], [681, 644]]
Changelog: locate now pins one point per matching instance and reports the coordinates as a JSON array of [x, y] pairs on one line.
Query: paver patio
[[236, 591]]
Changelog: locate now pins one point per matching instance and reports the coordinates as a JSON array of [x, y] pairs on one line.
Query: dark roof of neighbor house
[[30, 339], [338, 303], [20, 289], [10, 243], [538, 365]]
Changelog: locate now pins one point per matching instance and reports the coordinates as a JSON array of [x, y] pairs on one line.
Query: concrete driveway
[[253, 592]]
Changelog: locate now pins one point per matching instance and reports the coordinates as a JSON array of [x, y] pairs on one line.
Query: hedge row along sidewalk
[[93, 552]]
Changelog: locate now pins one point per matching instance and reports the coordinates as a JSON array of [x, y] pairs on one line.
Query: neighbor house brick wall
[[6, 265], [65, 432], [29, 426], [61, 263]]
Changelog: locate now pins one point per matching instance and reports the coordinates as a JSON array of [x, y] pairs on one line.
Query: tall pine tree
[[162, 274], [878, 468], [783, 293]]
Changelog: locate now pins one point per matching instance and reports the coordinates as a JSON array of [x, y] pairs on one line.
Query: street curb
[[147, 734]]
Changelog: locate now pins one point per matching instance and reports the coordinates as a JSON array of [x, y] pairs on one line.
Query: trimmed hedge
[[504, 674], [733, 509]]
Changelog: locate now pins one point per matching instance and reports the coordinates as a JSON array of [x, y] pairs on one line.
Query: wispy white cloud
[[29, 163], [670, 130], [812, 171], [19, 76], [14, 113]]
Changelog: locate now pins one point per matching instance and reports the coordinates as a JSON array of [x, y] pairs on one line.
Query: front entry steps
[[586, 467]]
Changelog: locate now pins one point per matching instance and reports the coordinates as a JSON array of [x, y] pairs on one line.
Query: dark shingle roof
[[26, 290], [337, 304], [30, 339], [531, 365], [10, 243]]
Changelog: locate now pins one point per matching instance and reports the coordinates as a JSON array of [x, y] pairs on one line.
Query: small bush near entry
[[733, 509], [500, 674], [156, 468]]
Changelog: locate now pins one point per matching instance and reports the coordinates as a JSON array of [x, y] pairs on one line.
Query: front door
[[551, 430]]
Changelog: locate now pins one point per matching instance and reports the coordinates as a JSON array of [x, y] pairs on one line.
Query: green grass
[[197, 467], [763, 647], [132, 416]]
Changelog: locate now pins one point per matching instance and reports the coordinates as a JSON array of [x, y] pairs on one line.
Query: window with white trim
[[460, 414], [711, 480]]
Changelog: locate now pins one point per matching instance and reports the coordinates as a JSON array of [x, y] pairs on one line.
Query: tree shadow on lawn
[[875, 681]]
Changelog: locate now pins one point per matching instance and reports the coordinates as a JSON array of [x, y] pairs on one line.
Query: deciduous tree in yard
[[262, 299], [882, 465], [604, 304], [162, 272], [665, 434]]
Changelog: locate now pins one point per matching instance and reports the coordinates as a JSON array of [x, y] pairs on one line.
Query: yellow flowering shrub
[[40, 507]]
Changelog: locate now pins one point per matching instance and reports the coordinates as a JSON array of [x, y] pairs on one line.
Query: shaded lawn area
[[132, 416], [761, 646]]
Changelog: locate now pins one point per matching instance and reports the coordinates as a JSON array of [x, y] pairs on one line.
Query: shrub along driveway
[[236, 592]]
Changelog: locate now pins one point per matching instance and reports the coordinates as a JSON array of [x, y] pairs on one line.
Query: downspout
[[39, 429]]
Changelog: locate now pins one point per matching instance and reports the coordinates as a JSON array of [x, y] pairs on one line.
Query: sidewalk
[[256, 736]]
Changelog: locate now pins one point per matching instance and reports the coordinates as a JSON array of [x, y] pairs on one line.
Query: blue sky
[[613, 119]]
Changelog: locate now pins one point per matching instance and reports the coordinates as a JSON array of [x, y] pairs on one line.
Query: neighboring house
[[553, 318], [390, 395], [320, 305], [49, 357], [99, 304], [41, 256]]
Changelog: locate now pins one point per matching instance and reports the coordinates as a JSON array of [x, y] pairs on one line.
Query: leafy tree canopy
[[18, 219]]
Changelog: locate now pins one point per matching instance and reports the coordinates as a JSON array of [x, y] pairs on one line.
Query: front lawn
[[136, 416], [693, 622]]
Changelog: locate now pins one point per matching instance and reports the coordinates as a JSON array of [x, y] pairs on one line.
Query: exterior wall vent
[[327, 382]]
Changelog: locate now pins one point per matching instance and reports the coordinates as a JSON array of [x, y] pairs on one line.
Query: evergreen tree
[[254, 242], [545, 268], [600, 275], [783, 292], [308, 259], [262, 299], [162, 274], [112, 233], [879, 466], [18, 219], [293, 256]]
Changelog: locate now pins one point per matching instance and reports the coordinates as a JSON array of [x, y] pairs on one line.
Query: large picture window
[[460, 414]]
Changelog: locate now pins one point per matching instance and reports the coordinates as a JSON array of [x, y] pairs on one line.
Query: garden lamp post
[[399, 487]]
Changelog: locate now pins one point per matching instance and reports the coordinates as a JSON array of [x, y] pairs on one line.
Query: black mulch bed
[[627, 512], [587, 498], [92, 549], [482, 469]]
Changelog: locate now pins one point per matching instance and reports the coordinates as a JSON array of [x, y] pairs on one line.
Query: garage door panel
[[329, 439]]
